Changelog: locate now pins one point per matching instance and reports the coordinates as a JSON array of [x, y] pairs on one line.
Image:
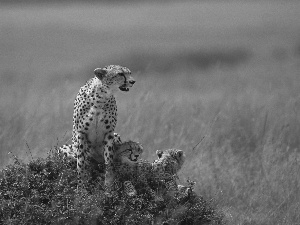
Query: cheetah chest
[[100, 121]]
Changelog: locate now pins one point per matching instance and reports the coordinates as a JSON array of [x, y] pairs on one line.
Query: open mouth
[[124, 88], [134, 158]]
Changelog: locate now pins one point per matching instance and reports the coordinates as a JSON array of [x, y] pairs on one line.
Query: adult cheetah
[[95, 118]]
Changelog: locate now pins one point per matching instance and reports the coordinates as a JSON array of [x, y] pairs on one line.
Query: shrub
[[44, 192]]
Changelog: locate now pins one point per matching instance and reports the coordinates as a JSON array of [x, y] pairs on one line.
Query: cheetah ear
[[159, 153], [180, 153], [100, 73]]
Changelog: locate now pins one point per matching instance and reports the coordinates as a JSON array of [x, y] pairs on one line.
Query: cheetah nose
[[131, 81]]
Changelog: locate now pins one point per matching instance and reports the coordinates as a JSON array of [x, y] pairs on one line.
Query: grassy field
[[218, 80]]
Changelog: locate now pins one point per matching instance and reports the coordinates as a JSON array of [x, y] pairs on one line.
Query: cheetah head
[[171, 159], [115, 77], [130, 149]]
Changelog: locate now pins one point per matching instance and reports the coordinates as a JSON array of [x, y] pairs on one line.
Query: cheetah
[[95, 118], [124, 152], [148, 176]]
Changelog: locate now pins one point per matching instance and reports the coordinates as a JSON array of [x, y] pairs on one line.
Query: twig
[[210, 127], [198, 143], [29, 150]]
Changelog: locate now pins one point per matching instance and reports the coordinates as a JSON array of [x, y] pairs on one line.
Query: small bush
[[44, 192]]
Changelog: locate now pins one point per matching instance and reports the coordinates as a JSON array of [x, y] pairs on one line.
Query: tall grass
[[225, 90], [239, 130]]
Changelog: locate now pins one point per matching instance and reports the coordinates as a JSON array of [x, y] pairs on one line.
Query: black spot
[[107, 127], [91, 119], [105, 142], [81, 146], [106, 121], [87, 124], [110, 137], [109, 148]]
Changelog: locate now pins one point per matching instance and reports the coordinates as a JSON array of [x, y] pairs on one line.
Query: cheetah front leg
[[83, 149], [108, 158]]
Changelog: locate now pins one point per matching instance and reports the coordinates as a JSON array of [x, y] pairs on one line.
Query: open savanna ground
[[219, 80]]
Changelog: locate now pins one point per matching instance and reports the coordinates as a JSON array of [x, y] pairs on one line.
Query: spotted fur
[[151, 176], [126, 153], [97, 161], [95, 118]]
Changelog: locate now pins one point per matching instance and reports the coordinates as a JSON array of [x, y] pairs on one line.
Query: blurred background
[[218, 79]]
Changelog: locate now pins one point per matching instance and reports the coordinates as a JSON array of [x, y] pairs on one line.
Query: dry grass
[[222, 86]]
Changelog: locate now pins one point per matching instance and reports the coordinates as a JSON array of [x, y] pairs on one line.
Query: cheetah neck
[[101, 88]]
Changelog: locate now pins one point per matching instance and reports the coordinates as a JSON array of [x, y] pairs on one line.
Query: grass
[[44, 192], [224, 87]]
